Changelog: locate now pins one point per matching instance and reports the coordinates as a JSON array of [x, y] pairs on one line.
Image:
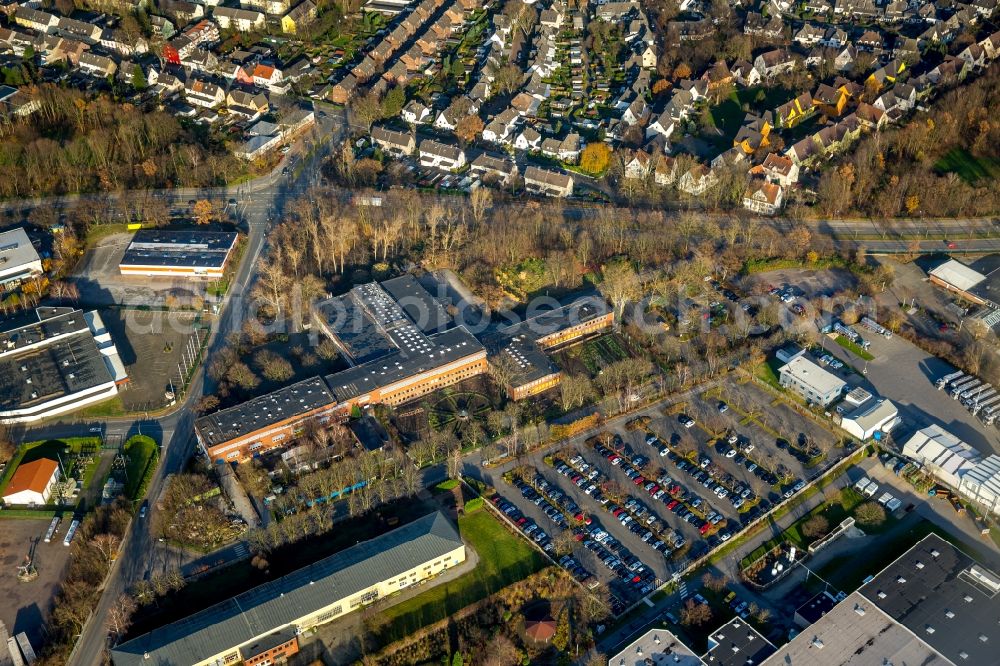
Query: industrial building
[[736, 643], [18, 259], [656, 647], [31, 483], [184, 254], [945, 456], [871, 418], [978, 284], [60, 363], [810, 381], [262, 626]]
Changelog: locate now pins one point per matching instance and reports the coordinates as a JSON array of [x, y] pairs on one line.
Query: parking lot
[[645, 497], [100, 282]]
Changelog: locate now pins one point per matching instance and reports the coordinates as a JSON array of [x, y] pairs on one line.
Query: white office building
[[810, 381]]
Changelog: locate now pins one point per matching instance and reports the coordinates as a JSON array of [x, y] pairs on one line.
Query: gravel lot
[[26, 605]]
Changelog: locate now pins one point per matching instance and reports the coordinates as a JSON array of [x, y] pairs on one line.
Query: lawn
[[503, 559], [109, 408], [768, 373], [969, 168], [853, 348], [143, 454]]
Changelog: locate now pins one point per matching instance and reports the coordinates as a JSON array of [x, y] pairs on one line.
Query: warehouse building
[[736, 643], [59, 364], [184, 254], [656, 647], [978, 283], [945, 456], [871, 418], [810, 381], [262, 626], [18, 259]]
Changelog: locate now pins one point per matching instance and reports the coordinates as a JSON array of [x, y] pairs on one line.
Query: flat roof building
[[854, 632], [810, 381], [262, 625], [656, 647], [522, 346], [944, 598], [947, 457], [401, 345], [814, 609], [61, 363], [18, 259], [187, 254], [736, 643]]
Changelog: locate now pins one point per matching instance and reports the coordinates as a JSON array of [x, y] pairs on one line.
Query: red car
[[654, 489], [638, 480], [704, 528], [579, 516], [672, 504]]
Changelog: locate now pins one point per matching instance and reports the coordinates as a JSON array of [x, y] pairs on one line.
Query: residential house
[[991, 45], [809, 35], [834, 38], [870, 41], [845, 59], [829, 100], [637, 113], [494, 168], [803, 151], [774, 63], [543, 181], [662, 126], [637, 165], [416, 113], [754, 133], [777, 169], [500, 129], [665, 171], [717, 75], [203, 93], [298, 17], [697, 180], [763, 197], [885, 75], [441, 155], [794, 111], [819, 8], [870, 117], [397, 143], [203, 33], [267, 76], [242, 20], [97, 66], [528, 139], [975, 55], [745, 74]]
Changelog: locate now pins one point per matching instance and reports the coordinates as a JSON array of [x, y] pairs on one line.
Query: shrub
[[870, 513], [474, 504], [816, 527]]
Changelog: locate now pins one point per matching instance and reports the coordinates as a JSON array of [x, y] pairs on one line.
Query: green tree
[[393, 102], [138, 78]]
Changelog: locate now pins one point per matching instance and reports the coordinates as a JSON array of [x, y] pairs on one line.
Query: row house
[[273, 7], [87, 33], [770, 28], [501, 128], [665, 171], [494, 167], [441, 155], [809, 35], [416, 112], [203, 33], [123, 46], [35, 19], [394, 142], [200, 60], [268, 76], [637, 165], [203, 93], [241, 20], [247, 104], [547, 182], [794, 111], [697, 180], [97, 66]]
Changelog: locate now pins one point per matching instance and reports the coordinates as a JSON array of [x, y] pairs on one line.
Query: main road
[[264, 199]]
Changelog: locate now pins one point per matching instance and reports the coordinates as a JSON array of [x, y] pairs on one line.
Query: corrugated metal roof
[[958, 275], [282, 602]]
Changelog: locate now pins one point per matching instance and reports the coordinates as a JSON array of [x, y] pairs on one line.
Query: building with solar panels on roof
[[262, 626], [401, 345]]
